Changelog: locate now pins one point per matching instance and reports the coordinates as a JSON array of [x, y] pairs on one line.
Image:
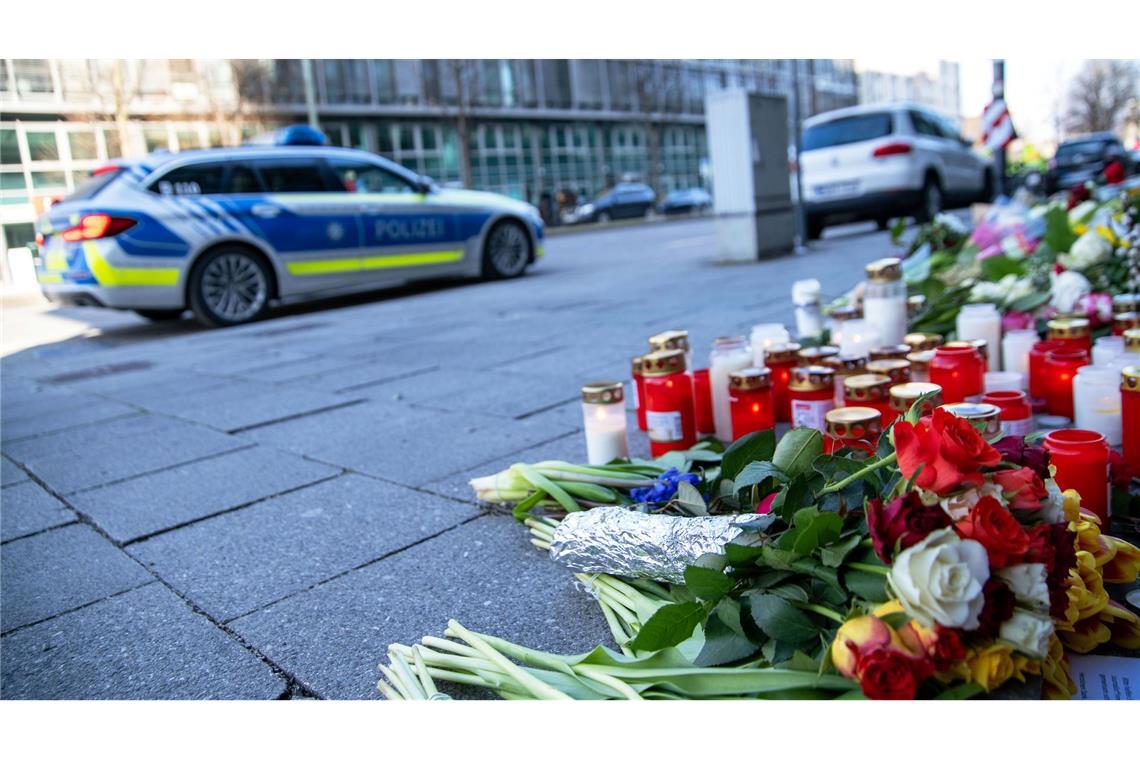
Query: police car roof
[[154, 161]]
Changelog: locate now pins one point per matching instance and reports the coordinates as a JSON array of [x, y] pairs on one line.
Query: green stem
[[819, 609], [870, 568], [889, 459]]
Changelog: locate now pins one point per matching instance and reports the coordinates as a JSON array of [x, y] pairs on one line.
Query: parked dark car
[[692, 200], [627, 200], [1083, 159]]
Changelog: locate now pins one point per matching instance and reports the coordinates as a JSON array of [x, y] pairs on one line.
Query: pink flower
[[1016, 320], [988, 251], [986, 235], [1098, 307]]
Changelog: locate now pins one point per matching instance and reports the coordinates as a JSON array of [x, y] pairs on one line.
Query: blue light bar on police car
[[296, 134]]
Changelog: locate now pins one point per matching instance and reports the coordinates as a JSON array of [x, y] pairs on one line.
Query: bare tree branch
[[1101, 96]]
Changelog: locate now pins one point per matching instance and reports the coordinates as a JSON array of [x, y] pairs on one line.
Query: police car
[[226, 231]]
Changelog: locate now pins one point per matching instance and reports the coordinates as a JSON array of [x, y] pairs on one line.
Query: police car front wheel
[[229, 286], [507, 251]]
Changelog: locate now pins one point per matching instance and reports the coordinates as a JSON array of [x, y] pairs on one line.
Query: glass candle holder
[[763, 337], [915, 304], [1015, 348], [812, 395], [1096, 402], [855, 427], [859, 336], [1131, 345], [843, 367], [884, 300], [638, 388], [1071, 332], [1016, 414], [781, 359], [1038, 385], [1106, 349], [702, 403], [1081, 459], [673, 340], [806, 296], [898, 370], [920, 365], [920, 341], [1125, 302], [837, 321], [1130, 413], [669, 415], [980, 344], [959, 370], [1061, 366], [750, 400], [1125, 321], [727, 355], [904, 396], [1002, 381], [816, 355], [981, 321], [985, 417], [894, 351], [603, 417], [872, 391]]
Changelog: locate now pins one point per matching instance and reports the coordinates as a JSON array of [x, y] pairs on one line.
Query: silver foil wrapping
[[637, 545]]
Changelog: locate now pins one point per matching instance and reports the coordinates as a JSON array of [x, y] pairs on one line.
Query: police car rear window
[[90, 187], [295, 177]]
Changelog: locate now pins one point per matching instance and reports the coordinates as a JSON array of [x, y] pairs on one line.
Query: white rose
[[1052, 506], [1027, 633], [1068, 288], [987, 291], [959, 505], [940, 579], [1020, 289], [1028, 584], [1091, 248]]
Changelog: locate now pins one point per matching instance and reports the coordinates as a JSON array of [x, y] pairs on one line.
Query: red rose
[[889, 674], [995, 528], [1022, 488], [948, 450], [765, 505], [1014, 451], [998, 608], [1064, 560], [948, 648], [902, 523], [1041, 547]]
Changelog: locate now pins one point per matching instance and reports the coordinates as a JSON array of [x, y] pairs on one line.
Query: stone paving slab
[[143, 644], [153, 386], [71, 460], [10, 472], [484, 392], [84, 412], [150, 503], [26, 508], [400, 443], [485, 574], [365, 374], [241, 560], [61, 570]]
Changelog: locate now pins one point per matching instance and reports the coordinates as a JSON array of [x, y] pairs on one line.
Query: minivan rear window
[[849, 129]]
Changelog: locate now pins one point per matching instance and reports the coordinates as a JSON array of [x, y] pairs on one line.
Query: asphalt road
[[258, 512]]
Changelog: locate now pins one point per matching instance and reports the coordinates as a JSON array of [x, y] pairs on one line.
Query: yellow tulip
[[1123, 624], [992, 666], [1086, 635], [1071, 505], [1124, 566], [1058, 684]]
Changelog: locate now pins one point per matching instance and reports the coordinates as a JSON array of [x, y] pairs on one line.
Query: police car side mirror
[[425, 185]]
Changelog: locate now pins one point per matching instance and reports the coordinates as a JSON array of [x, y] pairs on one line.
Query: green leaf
[[791, 592], [1058, 235], [690, 499], [723, 642], [813, 529], [744, 549], [797, 450], [707, 583], [541, 482], [996, 267], [834, 554], [523, 508], [1030, 301], [672, 459], [865, 585], [669, 626], [754, 447], [755, 473], [779, 619]]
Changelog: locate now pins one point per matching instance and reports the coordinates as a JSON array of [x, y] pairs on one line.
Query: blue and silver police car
[[227, 231]]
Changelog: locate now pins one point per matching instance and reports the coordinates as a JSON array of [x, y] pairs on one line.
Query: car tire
[[814, 228], [160, 315], [230, 285], [930, 202], [506, 251], [988, 188], [603, 217]]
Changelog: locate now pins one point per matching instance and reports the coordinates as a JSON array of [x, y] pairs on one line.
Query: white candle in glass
[[859, 337], [764, 336], [1015, 347], [809, 314], [728, 355], [982, 320], [1106, 349], [1097, 403], [1003, 381], [603, 417]]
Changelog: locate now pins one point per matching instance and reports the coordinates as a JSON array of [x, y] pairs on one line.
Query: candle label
[[810, 414], [1017, 427], [664, 427]]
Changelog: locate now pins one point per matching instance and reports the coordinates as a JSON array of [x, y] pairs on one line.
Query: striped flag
[[997, 127]]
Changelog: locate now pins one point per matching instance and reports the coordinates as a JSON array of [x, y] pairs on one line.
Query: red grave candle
[[1125, 321], [638, 390], [1016, 415], [1038, 387], [857, 427], [1130, 409], [781, 359], [1071, 332], [1060, 368], [750, 401], [812, 393], [702, 401], [1081, 459], [959, 370], [871, 391], [669, 415]]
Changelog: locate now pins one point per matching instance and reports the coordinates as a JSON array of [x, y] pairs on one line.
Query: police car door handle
[[265, 211]]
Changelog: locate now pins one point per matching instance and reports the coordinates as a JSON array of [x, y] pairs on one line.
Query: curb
[[574, 229]]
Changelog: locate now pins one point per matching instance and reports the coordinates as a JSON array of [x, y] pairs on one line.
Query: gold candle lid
[[920, 341], [781, 352], [985, 417], [661, 363], [1125, 302], [884, 270], [854, 422], [979, 344], [670, 339], [844, 313], [920, 360], [1076, 327], [635, 364], [813, 377], [817, 354], [845, 364], [1129, 320], [904, 395], [1130, 378], [1132, 339], [750, 379], [897, 351], [870, 387], [604, 392], [898, 370]]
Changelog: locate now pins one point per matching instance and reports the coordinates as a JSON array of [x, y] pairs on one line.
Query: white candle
[[809, 316], [764, 336], [859, 337], [1097, 403], [1003, 381], [982, 320], [1105, 350], [884, 300], [1015, 347], [728, 355], [603, 417]]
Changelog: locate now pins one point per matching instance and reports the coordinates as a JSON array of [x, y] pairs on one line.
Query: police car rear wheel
[[507, 251], [229, 286], [160, 315]]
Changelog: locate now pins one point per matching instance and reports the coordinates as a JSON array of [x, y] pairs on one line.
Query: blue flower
[[665, 488]]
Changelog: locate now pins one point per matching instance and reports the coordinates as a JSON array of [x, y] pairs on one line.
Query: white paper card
[[1099, 677]]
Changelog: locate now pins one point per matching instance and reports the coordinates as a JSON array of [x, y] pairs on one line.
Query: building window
[[33, 76], [12, 188], [49, 180], [19, 235], [9, 147], [82, 146], [42, 146], [156, 138], [114, 146]]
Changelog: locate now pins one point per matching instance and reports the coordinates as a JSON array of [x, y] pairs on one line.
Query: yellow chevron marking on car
[[336, 266], [540, 251], [55, 260], [109, 275], [49, 278]]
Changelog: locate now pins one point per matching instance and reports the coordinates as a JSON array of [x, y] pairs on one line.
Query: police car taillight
[[95, 226]]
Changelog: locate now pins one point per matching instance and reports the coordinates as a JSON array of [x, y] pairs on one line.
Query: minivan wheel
[[229, 286], [506, 252], [160, 315], [931, 200]]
